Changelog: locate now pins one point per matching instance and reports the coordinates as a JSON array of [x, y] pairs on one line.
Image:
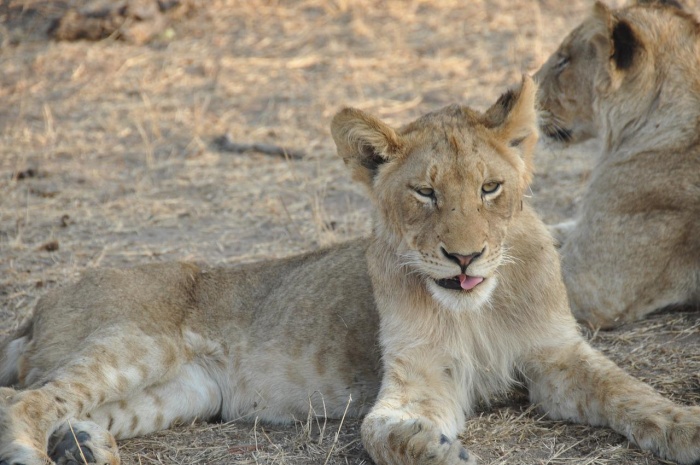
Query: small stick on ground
[[226, 144]]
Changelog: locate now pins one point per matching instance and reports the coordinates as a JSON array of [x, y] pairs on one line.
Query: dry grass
[[124, 170]]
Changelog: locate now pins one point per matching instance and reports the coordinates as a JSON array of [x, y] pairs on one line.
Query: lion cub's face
[[445, 188], [609, 69]]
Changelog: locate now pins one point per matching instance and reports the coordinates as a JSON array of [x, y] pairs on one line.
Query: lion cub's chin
[[459, 301]]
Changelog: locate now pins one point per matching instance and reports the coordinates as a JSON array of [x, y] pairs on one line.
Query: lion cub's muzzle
[[463, 281], [550, 127]]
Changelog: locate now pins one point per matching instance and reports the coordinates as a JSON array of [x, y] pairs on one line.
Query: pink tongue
[[469, 282]]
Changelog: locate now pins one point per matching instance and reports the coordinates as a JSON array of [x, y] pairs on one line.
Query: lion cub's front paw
[[674, 436], [414, 442]]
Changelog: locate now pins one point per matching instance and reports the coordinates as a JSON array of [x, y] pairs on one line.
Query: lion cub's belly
[[278, 386]]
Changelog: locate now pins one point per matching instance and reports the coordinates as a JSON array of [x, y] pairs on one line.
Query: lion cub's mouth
[[462, 282], [557, 133]]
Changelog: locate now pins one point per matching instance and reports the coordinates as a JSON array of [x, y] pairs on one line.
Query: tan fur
[[126, 352], [634, 247]]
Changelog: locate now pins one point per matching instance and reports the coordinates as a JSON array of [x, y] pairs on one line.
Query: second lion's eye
[[490, 187], [426, 191], [562, 62]]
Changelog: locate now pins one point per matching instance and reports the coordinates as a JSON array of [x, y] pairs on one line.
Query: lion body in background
[[631, 76]]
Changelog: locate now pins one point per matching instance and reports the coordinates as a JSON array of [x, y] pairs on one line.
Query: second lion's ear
[[625, 45], [616, 39], [364, 143]]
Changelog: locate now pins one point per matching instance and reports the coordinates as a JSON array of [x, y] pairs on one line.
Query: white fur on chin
[[464, 301]]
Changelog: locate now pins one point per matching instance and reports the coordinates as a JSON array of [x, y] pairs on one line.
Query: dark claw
[[89, 456], [443, 440], [464, 455], [60, 449]]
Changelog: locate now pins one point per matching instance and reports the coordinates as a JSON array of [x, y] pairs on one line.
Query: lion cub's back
[[282, 329], [150, 295]]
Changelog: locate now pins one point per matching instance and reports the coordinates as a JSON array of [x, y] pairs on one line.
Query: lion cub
[[468, 296], [632, 75]]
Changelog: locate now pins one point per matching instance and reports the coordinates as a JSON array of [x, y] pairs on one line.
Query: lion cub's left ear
[[364, 143], [513, 119]]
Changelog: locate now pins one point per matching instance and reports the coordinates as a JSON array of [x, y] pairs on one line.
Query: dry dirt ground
[[107, 158]]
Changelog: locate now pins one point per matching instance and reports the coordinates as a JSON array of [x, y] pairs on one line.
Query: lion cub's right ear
[[364, 143], [513, 119]]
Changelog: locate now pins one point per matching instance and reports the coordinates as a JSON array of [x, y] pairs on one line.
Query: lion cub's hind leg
[[104, 382], [189, 395], [14, 450], [192, 394]]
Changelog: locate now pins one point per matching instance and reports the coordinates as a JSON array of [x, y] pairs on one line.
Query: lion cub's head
[[445, 188], [610, 68]]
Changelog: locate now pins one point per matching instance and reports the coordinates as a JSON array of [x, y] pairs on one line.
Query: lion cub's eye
[[426, 192], [490, 187]]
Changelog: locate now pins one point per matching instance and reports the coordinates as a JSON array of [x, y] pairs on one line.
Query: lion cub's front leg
[[577, 383], [416, 418]]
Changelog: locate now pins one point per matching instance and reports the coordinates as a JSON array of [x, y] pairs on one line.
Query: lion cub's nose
[[462, 260]]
